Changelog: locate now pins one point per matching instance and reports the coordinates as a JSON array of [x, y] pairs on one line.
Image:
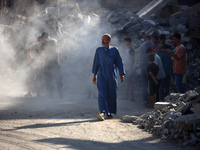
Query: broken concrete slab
[[128, 118], [180, 106], [197, 108], [134, 28], [160, 105], [188, 122], [192, 94]]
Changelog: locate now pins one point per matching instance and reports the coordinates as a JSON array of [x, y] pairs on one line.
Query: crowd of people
[[44, 58], [160, 63]]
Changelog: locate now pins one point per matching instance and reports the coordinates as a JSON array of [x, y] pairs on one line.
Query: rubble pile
[[177, 119], [126, 23]]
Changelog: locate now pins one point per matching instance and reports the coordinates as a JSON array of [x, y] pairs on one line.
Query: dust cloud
[[78, 30]]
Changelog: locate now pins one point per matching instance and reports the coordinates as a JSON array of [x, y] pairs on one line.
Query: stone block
[[196, 108], [186, 107], [176, 21], [134, 28], [192, 94], [160, 105], [138, 121], [128, 118], [188, 122], [163, 32], [110, 16], [172, 116], [157, 129], [114, 19], [127, 25], [197, 89], [186, 39], [180, 107]]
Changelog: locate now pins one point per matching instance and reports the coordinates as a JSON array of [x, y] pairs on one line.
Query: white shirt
[[158, 62], [34, 49], [127, 60]]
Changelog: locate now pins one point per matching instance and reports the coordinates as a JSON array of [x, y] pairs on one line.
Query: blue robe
[[105, 67]]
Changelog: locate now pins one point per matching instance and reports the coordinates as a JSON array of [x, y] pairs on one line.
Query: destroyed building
[[178, 118]]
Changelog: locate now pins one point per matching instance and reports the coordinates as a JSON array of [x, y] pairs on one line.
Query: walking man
[[106, 61]]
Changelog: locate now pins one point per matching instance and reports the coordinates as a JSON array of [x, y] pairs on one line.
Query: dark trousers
[[179, 83], [158, 91], [164, 87], [51, 73]]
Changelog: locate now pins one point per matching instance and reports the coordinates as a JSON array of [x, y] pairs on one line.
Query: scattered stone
[[128, 118], [197, 108]]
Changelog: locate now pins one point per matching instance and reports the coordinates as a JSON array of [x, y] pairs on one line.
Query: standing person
[[106, 61], [128, 65], [51, 64], [144, 63], [153, 74], [179, 62], [36, 67], [162, 40], [158, 62], [167, 66]]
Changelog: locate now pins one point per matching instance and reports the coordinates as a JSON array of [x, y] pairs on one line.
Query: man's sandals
[[100, 116]]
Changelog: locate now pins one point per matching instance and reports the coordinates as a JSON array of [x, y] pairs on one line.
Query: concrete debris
[[175, 118], [197, 108]]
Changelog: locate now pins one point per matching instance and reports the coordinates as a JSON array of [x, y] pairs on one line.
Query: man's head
[[39, 38], [165, 47], [147, 38], [127, 42], [45, 35], [151, 58], [106, 38], [155, 39], [149, 51], [162, 39], [176, 38]]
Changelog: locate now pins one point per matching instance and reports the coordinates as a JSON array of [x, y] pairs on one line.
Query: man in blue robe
[[106, 61]]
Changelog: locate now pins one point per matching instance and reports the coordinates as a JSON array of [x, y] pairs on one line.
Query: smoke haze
[[78, 33]]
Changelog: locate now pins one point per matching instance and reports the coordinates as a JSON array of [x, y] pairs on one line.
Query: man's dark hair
[[128, 39], [162, 37], [151, 57], [155, 36], [39, 38], [149, 50], [177, 35], [45, 34]]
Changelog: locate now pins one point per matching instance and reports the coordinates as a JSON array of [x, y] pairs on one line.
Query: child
[[153, 73]]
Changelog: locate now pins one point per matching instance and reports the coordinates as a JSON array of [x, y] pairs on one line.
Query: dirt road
[[70, 124]]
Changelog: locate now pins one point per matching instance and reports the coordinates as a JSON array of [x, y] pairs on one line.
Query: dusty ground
[[70, 123]]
